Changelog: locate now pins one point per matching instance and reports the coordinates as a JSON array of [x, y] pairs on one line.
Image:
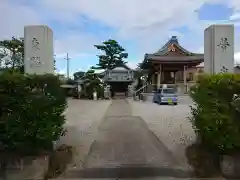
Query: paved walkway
[[126, 148], [170, 124]]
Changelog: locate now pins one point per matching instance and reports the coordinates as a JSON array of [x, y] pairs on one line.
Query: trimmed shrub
[[31, 112], [214, 115]]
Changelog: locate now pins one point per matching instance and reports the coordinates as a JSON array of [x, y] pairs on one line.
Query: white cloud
[[235, 4], [127, 13], [14, 17], [73, 56], [150, 23], [62, 71], [76, 44], [133, 18], [200, 50], [237, 57], [235, 16], [132, 65]]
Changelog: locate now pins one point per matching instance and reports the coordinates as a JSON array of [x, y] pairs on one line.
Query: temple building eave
[[196, 62], [175, 58]]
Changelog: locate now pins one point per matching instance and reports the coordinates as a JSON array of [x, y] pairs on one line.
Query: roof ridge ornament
[[174, 39], [171, 48]]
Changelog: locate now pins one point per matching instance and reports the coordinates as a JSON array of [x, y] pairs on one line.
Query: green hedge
[[214, 115], [31, 112]]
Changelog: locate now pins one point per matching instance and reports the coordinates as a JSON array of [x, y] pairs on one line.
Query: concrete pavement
[[134, 140], [125, 147]]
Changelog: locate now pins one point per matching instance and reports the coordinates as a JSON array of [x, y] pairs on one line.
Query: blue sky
[[139, 26]]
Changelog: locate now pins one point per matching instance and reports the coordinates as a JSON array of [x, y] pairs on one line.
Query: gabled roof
[[173, 52], [119, 69], [173, 41], [122, 67]]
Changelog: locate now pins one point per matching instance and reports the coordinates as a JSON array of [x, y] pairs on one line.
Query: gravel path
[[169, 123], [126, 147], [102, 121], [83, 118]]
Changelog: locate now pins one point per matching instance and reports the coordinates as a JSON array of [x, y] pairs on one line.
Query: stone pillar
[[159, 77], [175, 77], [219, 49], [38, 50], [107, 93], [153, 78], [130, 90]]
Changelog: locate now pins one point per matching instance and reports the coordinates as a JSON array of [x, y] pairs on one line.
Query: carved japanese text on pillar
[[35, 60], [224, 44], [35, 44], [224, 69]]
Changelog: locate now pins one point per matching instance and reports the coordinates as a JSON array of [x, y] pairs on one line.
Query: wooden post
[[184, 78], [174, 77], [159, 77]]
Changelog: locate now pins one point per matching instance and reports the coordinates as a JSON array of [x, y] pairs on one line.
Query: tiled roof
[[175, 58], [175, 42], [119, 69]]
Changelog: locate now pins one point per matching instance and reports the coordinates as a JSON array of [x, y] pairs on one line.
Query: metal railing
[[140, 90]]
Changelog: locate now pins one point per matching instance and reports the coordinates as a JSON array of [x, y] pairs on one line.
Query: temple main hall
[[172, 65]]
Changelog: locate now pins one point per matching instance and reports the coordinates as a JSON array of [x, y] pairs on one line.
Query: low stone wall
[[147, 96]]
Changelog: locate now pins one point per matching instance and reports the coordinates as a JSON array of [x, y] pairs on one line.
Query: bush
[[31, 112], [213, 115]]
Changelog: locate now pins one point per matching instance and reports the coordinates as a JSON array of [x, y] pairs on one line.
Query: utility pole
[[67, 58]]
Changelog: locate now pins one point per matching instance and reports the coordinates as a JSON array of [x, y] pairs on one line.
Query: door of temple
[[168, 78], [119, 88]]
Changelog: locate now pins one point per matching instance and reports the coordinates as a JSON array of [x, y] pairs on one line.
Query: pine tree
[[113, 55]]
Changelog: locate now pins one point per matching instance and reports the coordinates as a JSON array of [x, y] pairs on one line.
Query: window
[[168, 91]]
